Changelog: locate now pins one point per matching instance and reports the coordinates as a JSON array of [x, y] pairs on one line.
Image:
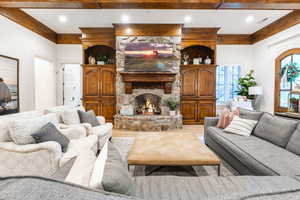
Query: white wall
[[19, 42], [264, 54], [236, 55], [66, 54]]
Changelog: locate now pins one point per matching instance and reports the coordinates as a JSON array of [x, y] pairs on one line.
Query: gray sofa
[[272, 149], [158, 188]]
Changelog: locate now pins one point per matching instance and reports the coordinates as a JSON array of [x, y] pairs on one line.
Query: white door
[[72, 84], [44, 83]]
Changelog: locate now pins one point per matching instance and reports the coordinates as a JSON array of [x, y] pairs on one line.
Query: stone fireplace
[[144, 93]]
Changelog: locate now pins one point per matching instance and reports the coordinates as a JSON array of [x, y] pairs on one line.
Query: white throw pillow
[[97, 174], [58, 110], [241, 126], [82, 168], [74, 132], [21, 130], [70, 117]]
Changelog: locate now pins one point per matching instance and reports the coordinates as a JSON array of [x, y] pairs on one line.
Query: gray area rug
[[124, 144]]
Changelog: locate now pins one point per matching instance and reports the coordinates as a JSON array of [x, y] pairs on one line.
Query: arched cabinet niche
[[198, 93], [99, 78]]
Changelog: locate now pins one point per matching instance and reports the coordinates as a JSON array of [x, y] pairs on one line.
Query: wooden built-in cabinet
[[198, 99], [99, 89]]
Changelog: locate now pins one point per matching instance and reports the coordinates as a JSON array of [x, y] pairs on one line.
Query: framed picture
[[9, 85]]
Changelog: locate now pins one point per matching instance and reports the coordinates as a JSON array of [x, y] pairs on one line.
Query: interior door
[[72, 84]]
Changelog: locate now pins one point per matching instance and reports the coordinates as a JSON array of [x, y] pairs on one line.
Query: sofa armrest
[[210, 121], [101, 120], [33, 159]]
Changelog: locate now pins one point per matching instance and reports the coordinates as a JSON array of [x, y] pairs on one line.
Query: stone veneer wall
[[129, 99]]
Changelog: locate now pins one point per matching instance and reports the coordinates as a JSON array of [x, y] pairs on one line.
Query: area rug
[[124, 144]]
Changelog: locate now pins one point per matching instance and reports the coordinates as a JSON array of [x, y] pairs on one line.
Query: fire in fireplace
[[147, 104]]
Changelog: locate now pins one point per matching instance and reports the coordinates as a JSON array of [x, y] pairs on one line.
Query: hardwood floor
[[187, 129]]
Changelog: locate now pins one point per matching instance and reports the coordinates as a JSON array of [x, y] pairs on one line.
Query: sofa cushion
[[241, 126], [58, 110], [49, 132], [79, 145], [21, 130], [294, 142], [82, 168], [4, 131], [111, 175], [88, 117], [275, 129], [70, 117], [248, 114], [263, 157]]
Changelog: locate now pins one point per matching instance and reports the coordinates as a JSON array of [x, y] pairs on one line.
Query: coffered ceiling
[[229, 21]]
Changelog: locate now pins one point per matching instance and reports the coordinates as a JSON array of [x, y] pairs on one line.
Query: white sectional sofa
[[44, 159]]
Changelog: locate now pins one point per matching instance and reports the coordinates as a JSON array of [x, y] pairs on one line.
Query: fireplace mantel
[[148, 79]]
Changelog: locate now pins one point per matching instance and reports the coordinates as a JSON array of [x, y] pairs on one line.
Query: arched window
[[287, 85]]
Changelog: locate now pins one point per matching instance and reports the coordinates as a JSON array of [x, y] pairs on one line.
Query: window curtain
[[227, 83]]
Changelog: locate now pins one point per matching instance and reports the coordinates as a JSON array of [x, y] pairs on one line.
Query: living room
[[149, 99]]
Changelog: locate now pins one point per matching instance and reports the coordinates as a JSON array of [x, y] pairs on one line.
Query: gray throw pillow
[[294, 143], [275, 129], [49, 132], [116, 177], [249, 114], [88, 117]]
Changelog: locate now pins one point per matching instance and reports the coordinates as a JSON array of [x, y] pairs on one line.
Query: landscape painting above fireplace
[[149, 57]]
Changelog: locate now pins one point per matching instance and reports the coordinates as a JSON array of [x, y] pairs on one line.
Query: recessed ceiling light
[[62, 18], [128, 30], [250, 19], [187, 19], [125, 18]]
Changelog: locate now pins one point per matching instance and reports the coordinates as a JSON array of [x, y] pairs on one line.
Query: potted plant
[[245, 83], [172, 104], [101, 60]]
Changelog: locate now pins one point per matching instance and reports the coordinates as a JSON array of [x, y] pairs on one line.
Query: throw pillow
[[110, 172], [82, 168], [70, 117], [241, 126], [4, 131], [226, 117], [275, 129], [49, 132], [21, 130], [294, 142], [88, 117]]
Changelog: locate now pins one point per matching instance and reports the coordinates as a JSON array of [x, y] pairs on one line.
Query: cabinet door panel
[[189, 111], [92, 105], [91, 82], [206, 82], [206, 109], [108, 110], [108, 80], [189, 82]]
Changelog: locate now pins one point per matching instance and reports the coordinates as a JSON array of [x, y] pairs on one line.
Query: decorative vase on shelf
[[92, 60], [207, 61], [172, 112], [196, 61], [100, 63], [185, 62]]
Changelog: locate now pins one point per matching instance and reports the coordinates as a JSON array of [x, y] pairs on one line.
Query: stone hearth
[[148, 122]]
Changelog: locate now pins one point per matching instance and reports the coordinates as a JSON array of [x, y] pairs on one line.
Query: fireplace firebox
[[147, 104]]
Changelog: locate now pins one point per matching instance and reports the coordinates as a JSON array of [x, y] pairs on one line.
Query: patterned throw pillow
[[226, 117], [241, 126]]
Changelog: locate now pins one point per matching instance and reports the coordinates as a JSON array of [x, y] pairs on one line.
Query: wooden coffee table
[[171, 150]]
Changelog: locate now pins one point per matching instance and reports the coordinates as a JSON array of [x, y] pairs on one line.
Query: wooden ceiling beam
[[279, 25], [67, 38], [25, 20], [155, 4], [232, 39]]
